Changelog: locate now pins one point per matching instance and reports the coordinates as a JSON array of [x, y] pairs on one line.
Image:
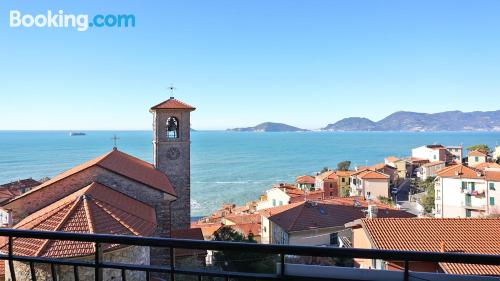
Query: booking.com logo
[[61, 20]]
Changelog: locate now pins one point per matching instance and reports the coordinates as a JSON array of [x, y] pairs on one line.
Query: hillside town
[[421, 202]]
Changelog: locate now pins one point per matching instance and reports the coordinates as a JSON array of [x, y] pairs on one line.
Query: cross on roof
[[115, 139], [171, 89]]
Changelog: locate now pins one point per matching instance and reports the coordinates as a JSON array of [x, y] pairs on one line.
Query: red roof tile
[[192, 234], [172, 103], [92, 209], [122, 164], [327, 213], [306, 179], [492, 175], [467, 235], [486, 165], [477, 153], [460, 171]]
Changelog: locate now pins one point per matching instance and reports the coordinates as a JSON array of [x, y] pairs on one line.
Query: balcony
[[283, 269]]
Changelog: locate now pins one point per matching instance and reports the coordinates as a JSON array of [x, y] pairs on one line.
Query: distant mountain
[[414, 121], [269, 127], [352, 124]]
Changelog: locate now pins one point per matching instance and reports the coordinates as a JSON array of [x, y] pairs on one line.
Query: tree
[[241, 261], [325, 169], [344, 165], [480, 147], [427, 200]]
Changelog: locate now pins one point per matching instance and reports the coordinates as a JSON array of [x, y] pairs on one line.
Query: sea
[[226, 167]]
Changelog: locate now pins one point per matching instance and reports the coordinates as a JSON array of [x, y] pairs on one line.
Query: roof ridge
[[88, 216], [64, 220]]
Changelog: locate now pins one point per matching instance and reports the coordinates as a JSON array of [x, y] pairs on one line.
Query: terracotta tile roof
[[327, 175], [247, 228], [460, 171], [92, 209], [486, 165], [20, 184], [343, 173], [192, 234], [433, 163], [306, 179], [172, 103], [467, 235], [327, 213], [391, 158], [477, 153], [492, 175], [7, 194], [369, 174], [243, 218], [122, 164]]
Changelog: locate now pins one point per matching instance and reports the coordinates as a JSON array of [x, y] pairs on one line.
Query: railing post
[[407, 273], [32, 271], [97, 261], [172, 264], [53, 272], [124, 275], [11, 262], [76, 274], [282, 265]]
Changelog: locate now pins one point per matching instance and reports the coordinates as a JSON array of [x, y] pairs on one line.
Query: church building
[[157, 194]]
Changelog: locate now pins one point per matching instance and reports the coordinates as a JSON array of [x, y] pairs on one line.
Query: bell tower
[[171, 155]]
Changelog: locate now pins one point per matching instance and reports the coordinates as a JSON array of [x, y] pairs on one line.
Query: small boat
[[72, 134]]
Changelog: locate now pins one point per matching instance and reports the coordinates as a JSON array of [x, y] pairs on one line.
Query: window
[[464, 185], [472, 186], [334, 238], [476, 158], [281, 203], [274, 202], [343, 179], [468, 213], [492, 201], [331, 185], [172, 128], [434, 156], [492, 186], [331, 193]]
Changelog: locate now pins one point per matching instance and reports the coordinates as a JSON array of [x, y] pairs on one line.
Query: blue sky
[[305, 63]]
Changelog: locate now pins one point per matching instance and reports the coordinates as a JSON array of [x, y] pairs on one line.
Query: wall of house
[[373, 188], [278, 234], [275, 197], [401, 166], [453, 199], [431, 171], [265, 230], [313, 237], [474, 160], [361, 240], [493, 209], [132, 255]]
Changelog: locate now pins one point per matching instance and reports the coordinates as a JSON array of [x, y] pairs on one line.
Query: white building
[[429, 169], [430, 152], [461, 191]]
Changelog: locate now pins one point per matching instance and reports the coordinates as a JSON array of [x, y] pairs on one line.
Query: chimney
[[10, 219], [372, 211], [442, 247]]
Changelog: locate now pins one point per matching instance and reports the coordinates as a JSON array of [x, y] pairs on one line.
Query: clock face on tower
[[173, 153]]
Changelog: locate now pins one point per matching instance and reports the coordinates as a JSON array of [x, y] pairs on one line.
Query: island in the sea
[[269, 127]]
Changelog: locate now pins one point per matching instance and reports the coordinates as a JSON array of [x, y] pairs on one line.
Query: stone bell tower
[[171, 154]]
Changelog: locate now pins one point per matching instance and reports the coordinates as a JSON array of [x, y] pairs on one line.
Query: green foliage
[[427, 200], [344, 192], [325, 169], [241, 261], [480, 147], [344, 165], [386, 200]]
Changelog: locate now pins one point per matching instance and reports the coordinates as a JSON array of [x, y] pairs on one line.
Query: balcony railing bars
[[172, 244]]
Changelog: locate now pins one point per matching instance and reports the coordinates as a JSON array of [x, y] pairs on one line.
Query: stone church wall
[[131, 255]]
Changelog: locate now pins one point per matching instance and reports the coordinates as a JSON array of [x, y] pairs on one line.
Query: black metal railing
[[170, 269]]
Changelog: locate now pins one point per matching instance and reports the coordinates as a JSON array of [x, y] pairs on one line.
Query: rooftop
[[173, 103], [92, 209], [465, 235], [477, 153]]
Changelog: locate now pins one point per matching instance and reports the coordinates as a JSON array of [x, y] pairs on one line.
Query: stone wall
[[177, 169], [131, 255]]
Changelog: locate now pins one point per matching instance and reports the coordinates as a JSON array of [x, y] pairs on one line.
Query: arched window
[[172, 128]]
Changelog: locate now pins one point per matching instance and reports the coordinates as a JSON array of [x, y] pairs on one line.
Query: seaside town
[[440, 198]]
